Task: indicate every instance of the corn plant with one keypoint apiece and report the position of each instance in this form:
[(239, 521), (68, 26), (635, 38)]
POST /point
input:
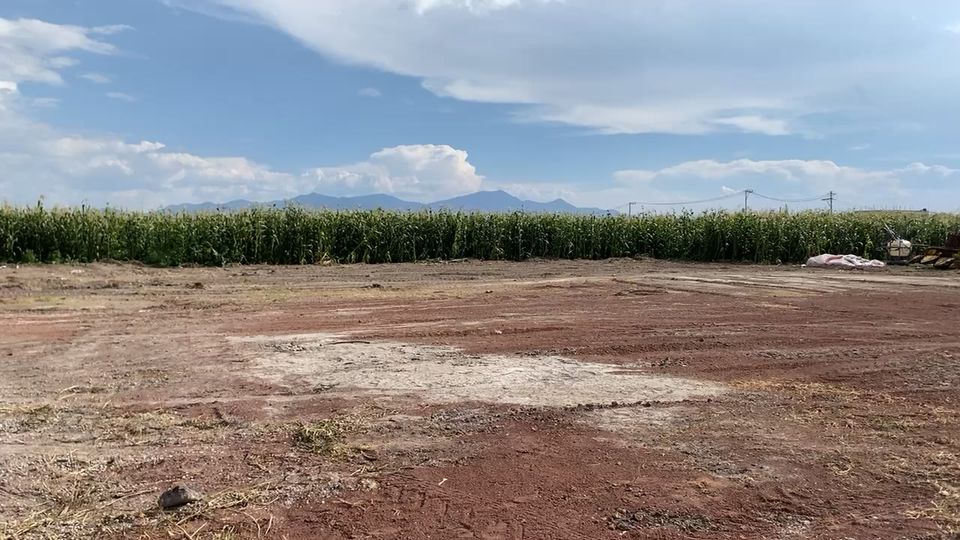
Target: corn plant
[(294, 235)]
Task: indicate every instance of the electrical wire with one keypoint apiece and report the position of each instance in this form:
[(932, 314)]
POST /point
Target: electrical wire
[(682, 203), (724, 197), (812, 199)]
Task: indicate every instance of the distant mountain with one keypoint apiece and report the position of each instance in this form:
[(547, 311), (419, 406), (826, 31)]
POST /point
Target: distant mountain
[(210, 207), (501, 201), (481, 201), (363, 202)]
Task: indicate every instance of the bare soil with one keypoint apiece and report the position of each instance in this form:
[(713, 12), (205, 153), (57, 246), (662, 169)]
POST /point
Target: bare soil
[(545, 399)]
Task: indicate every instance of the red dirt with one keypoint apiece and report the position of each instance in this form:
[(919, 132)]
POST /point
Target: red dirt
[(839, 418)]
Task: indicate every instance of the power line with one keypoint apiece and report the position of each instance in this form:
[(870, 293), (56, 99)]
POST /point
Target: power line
[(681, 203), (828, 197), (776, 199)]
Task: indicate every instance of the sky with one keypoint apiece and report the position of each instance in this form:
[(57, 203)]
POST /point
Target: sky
[(144, 103)]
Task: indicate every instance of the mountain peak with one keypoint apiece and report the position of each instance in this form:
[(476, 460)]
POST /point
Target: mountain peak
[(496, 200)]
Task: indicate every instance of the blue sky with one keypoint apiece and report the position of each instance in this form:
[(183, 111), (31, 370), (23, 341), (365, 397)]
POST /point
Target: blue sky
[(142, 103)]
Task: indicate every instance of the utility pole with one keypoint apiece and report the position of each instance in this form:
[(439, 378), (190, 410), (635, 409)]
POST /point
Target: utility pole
[(830, 197), (746, 199), (630, 208)]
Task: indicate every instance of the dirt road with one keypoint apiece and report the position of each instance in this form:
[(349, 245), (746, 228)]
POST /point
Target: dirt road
[(560, 400)]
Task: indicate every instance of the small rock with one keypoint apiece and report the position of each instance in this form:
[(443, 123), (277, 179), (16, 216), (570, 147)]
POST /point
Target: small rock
[(178, 496)]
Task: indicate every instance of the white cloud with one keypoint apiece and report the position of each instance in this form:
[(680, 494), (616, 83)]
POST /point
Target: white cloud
[(683, 66), (473, 6), (121, 96), (45, 102), (110, 29), (955, 28), (41, 160), (32, 50), (721, 184), (96, 78), (756, 124), (793, 170), (369, 92), (422, 172), (541, 192), (38, 159), (916, 184), (69, 169), (602, 93)]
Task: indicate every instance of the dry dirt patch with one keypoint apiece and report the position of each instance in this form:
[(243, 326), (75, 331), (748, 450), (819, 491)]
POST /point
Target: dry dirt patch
[(832, 411), (434, 374)]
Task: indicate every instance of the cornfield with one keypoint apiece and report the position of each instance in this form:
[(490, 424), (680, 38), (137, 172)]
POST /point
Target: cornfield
[(297, 236)]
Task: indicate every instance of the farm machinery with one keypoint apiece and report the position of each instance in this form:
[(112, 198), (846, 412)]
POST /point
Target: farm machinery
[(896, 250), (944, 257)]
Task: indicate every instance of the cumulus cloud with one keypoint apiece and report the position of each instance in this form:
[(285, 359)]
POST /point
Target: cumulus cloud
[(917, 184), (32, 50), (422, 172), (678, 66), (706, 184), (369, 92), (612, 92), (40, 160)]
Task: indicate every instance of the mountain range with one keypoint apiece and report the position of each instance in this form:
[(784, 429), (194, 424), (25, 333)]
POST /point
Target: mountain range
[(481, 201)]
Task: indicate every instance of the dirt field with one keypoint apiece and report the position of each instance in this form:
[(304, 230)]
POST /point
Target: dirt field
[(560, 400)]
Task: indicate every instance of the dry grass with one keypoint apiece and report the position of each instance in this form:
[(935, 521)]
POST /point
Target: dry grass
[(100, 424), (814, 391), (882, 438), (325, 437), (23, 418), (87, 512), (938, 471), (944, 509), (68, 496)]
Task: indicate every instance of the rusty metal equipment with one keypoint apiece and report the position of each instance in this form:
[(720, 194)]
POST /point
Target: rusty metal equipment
[(946, 257)]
